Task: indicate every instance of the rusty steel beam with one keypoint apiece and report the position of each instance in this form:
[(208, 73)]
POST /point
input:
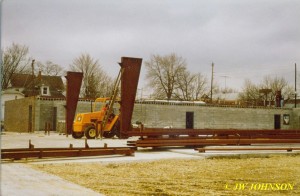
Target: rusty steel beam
[(265, 136), (63, 152), (205, 142), (288, 149), (174, 131), (57, 149), (129, 82), (74, 80), (292, 136)]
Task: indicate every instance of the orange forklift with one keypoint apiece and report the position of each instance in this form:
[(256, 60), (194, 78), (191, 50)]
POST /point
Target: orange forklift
[(104, 118)]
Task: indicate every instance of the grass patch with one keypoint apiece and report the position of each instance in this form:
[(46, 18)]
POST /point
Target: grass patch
[(183, 177)]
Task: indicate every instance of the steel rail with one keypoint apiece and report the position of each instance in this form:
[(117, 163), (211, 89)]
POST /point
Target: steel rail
[(288, 149), (67, 152), (287, 136), (31, 152), (207, 142), (174, 131)]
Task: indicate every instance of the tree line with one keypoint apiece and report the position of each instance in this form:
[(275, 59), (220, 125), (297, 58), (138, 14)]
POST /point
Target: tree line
[(16, 60), (167, 76)]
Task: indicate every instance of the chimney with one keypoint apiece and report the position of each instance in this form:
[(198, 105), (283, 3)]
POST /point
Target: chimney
[(40, 76)]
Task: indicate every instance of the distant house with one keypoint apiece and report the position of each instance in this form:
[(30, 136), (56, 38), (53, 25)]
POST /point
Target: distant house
[(27, 85), (41, 85)]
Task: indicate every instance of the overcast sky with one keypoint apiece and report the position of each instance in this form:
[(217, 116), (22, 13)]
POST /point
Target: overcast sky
[(244, 38)]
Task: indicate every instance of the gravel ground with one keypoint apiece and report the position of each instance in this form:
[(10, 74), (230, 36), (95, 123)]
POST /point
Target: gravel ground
[(275, 175)]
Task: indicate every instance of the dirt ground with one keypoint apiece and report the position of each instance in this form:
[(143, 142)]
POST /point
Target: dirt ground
[(276, 175)]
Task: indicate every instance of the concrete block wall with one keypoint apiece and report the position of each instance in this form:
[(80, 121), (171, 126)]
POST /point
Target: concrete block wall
[(45, 113), (161, 115), (82, 106), (61, 111), (152, 115), (295, 118)]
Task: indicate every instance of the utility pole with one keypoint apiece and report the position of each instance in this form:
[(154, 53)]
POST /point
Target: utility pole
[(32, 72), (212, 81), (295, 85)]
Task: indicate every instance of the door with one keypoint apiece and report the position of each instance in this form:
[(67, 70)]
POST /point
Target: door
[(189, 120), (277, 121), (54, 118), (30, 118)]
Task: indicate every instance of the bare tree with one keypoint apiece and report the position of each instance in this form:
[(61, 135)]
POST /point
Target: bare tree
[(251, 92), (183, 84), (162, 73), (199, 86), (49, 68), (96, 83), (190, 86), (276, 84), (15, 60)]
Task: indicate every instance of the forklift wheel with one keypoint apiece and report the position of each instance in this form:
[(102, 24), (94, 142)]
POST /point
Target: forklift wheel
[(90, 132), (77, 135)]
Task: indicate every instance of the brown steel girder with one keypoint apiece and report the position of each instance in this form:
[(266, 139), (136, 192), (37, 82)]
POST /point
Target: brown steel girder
[(74, 80), (31, 152), (129, 82)]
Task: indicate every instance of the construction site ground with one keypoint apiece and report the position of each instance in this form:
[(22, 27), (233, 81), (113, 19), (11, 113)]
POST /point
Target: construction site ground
[(18, 178)]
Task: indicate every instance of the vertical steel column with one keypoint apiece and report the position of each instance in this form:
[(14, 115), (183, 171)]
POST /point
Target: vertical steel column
[(129, 82), (74, 80)]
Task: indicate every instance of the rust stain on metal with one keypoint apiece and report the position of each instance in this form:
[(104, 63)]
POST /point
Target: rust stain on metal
[(129, 82), (74, 80)]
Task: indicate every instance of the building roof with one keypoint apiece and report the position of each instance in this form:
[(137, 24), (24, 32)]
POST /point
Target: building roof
[(20, 80), (32, 84), (11, 91)]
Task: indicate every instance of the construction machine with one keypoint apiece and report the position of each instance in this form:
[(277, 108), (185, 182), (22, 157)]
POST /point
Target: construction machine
[(104, 118), (111, 116)]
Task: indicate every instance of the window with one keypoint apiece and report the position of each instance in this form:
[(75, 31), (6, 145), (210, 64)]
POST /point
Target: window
[(45, 90)]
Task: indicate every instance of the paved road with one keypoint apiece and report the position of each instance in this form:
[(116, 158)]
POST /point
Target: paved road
[(20, 180)]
